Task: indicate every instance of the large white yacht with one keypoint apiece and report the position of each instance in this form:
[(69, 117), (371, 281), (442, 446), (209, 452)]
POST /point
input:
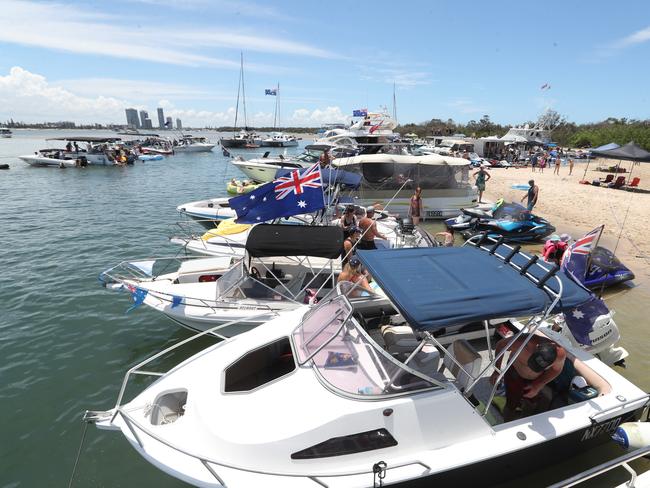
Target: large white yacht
[(370, 133), (280, 139), (327, 396), (193, 144)]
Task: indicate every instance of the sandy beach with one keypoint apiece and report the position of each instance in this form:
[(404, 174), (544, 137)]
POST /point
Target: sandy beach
[(575, 209)]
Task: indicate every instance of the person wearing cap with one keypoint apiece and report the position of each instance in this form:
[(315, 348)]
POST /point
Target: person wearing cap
[(348, 221), (539, 363), (349, 243), (353, 273), (369, 230)]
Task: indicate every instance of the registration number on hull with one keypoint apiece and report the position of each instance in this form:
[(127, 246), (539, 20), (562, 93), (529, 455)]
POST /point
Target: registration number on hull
[(599, 429)]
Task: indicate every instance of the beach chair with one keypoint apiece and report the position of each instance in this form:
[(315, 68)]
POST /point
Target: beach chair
[(608, 179), (634, 184), (620, 181)]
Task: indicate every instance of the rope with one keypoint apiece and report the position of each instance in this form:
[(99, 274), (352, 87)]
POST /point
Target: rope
[(76, 461)]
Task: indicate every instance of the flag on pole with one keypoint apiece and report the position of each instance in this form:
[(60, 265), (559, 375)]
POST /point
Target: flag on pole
[(271, 91), (576, 259), (362, 112), (294, 194)]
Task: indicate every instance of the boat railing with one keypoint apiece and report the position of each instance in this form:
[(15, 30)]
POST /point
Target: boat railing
[(190, 232), (621, 461)]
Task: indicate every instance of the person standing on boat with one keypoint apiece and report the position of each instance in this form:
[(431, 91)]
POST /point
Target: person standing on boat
[(415, 207), (369, 230), (532, 194), (482, 177), (349, 221), (68, 147), (325, 159), (539, 363)]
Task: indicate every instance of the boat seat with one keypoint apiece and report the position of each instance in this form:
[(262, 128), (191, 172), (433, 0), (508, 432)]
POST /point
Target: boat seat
[(468, 357), (400, 341)]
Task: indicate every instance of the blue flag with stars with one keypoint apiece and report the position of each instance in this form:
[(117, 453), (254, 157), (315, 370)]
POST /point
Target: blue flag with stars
[(581, 319), (294, 194)]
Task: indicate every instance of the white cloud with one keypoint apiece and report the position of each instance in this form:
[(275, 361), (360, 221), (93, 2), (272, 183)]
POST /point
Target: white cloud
[(69, 28), (637, 37), (248, 9), (29, 97)]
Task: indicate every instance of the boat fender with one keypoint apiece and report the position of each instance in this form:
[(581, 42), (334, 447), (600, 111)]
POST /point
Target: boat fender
[(632, 435)]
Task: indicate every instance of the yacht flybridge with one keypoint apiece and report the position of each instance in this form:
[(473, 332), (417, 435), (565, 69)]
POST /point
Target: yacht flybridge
[(326, 397), (444, 181)]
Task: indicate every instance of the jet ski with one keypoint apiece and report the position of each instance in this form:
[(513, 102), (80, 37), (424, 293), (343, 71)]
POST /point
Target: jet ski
[(593, 265), (510, 220)]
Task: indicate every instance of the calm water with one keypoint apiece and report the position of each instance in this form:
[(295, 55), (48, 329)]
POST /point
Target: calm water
[(66, 343)]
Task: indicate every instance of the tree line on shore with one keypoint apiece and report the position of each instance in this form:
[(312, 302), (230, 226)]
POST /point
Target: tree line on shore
[(620, 131)]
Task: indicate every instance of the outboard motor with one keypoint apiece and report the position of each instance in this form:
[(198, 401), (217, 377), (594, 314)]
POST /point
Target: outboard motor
[(406, 225)]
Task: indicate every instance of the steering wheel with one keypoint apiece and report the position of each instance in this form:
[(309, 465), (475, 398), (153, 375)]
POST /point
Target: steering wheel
[(255, 274)]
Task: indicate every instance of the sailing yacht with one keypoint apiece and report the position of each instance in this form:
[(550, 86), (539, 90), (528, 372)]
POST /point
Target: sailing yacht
[(244, 139), (278, 138)]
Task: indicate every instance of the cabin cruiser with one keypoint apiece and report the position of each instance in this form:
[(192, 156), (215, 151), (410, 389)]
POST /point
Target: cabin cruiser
[(448, 147), (284, 267), (444, 181), (264, 169), (157, 145), (193, 144), (317, 397), (371, 133), (241, 140), (279, 139), (100, 151), (5, 133)]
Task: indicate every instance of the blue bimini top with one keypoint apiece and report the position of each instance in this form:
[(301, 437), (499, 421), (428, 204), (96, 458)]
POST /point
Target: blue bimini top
[(444, 286)]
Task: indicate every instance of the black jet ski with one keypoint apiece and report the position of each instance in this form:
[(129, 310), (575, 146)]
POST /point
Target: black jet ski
[(510, 220)]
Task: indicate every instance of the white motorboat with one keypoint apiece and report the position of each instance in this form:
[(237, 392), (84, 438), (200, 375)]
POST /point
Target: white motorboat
[(96, 151), (209, 212), (280, 139), (444, 181), (50, 157), (193, 144), (229, 238), (284, 267), (264, 169), (371, 133), (317, 397), (5, 133)]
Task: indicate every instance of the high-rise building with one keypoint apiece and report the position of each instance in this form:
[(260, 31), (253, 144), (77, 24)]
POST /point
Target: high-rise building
[(148, 124), (179, 126), (169, 124), (132, 120), (144, 115), (161, 118)]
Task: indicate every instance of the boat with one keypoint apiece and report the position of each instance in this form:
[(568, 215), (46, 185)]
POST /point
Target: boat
[(156, 145), (394, 177), (592, 265), (229, 238), (5, 133), (264, 169), (371, 133), (511, 221), (280, 139), (95, 151), (193, 144), (284, 266), (313, 398), (50, 157), (244, 139)]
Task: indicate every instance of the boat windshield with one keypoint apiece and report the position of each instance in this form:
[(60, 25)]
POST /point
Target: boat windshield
[(347, 358)]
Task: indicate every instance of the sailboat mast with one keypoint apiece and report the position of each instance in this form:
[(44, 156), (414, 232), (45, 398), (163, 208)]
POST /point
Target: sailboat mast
[(243, 92), (278, 104), (394, 104), (241, 73)]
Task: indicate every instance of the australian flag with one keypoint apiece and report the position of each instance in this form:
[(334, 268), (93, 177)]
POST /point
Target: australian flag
[(294, 194), (362, 112), (581, 319), (271, 91)]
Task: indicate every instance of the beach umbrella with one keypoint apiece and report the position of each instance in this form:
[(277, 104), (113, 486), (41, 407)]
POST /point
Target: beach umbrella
[(629, 152)]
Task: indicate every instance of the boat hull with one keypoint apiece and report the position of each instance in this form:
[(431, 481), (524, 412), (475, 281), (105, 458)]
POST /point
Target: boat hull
[(43, 161), (194, 148), (279, 143), (234, 143)]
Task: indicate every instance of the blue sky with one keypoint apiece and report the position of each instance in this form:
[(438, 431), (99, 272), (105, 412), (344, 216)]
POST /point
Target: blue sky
[(87, 61)]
